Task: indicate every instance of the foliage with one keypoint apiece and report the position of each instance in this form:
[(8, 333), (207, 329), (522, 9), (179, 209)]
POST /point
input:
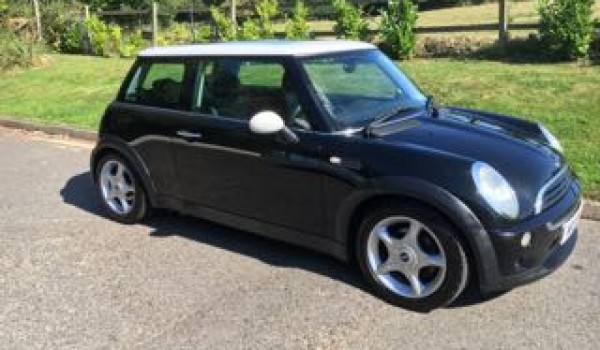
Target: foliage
[(224, 27), (398, 24), (14, 52), (566, 27), (132, 44), (73, 40), (349, 23), (456, 47), (178, 33), (56, 20), (297, 27), (167, 5), (3, 8), (249, 30), (105, 39), (265, 10)]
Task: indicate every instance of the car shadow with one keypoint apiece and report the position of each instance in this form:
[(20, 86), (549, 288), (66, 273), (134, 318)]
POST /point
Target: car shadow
[(79, 191)]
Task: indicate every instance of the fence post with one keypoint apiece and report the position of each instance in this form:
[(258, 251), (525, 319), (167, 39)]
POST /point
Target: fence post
[(38, 20), (233, 14), (86, 11), (154, 24), (503, 21)]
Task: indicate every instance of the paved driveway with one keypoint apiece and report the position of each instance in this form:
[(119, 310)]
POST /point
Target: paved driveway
[(69, 278)]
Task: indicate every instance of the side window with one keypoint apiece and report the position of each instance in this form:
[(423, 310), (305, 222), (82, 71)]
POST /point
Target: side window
[(240, 88), (157, 84)]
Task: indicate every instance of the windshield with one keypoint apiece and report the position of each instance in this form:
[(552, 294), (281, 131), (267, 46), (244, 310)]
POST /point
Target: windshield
[(356, 88)]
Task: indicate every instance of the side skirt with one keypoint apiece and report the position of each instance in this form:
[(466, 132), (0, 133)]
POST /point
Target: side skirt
[(299, 238)]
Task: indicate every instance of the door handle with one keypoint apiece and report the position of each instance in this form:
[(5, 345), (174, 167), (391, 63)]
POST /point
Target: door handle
[(190, 136)]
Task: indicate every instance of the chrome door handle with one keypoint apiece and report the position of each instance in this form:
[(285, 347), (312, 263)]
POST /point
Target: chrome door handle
[(189, 135)]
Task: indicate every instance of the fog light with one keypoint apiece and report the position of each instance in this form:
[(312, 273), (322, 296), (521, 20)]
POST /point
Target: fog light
[(526, 240)]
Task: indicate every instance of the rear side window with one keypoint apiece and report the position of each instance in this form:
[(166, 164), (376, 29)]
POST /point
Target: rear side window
[(157, 84)]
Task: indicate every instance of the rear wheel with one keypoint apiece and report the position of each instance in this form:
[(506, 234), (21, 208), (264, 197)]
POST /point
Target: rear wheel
[(120, 190), (412, 257)]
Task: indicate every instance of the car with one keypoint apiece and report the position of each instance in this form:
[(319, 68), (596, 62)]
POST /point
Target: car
[(330, 146)]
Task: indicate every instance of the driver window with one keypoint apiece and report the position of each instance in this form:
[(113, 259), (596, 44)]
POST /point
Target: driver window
[(239, 88)]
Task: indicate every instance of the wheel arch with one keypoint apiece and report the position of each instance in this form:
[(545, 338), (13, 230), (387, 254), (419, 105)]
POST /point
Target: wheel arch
[(386, 190), (120, 148)]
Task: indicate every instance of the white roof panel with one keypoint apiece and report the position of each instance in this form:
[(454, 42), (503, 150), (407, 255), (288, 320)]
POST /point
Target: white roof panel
[(257, 48)]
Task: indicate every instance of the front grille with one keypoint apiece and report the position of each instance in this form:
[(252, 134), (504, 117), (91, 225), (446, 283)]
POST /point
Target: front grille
[(553, 191)]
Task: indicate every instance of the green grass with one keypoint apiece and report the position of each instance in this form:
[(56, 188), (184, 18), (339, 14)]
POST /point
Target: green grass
[(74, 90)]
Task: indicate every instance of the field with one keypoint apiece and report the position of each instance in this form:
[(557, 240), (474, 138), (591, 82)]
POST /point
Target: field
[(74, 90)]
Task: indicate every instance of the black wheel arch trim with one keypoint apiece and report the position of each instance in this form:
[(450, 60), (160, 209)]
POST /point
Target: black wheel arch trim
[(448, 204), (117, 145)]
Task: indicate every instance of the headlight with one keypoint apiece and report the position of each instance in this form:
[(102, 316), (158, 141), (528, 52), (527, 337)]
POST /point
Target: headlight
[(552, 140), (496, 191)]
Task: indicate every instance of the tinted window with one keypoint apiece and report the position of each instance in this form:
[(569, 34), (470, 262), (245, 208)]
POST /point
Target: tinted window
[(157, 84), (240, 88)]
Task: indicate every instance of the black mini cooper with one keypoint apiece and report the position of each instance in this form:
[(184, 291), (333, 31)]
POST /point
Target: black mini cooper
[(328, 145)]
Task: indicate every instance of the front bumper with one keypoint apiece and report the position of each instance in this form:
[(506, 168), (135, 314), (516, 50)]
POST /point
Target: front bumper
[(553, 239)]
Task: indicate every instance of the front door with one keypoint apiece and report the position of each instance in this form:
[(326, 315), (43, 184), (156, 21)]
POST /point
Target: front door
[(223, 166)]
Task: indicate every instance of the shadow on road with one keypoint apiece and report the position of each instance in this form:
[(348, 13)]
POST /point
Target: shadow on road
[(79, 192)]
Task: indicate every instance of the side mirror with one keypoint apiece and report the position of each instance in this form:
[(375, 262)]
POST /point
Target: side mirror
[(270, 123)]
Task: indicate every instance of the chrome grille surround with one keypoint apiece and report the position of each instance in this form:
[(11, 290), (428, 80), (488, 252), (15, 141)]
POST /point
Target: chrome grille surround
[(553, 190)]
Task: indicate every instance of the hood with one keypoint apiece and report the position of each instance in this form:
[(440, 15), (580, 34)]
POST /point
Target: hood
[(514, 147)]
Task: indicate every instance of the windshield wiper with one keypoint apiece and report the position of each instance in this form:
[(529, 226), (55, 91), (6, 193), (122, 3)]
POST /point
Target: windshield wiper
[(384, 117)]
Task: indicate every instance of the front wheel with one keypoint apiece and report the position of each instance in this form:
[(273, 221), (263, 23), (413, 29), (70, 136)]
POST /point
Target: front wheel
[(412, 257), (120, 191)]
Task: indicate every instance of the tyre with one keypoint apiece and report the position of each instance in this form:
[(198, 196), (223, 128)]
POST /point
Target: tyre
[(120, 191), (412, 256)]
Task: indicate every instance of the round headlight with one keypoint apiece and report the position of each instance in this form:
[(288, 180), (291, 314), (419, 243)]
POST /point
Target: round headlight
[(551, 139), (495, 190)]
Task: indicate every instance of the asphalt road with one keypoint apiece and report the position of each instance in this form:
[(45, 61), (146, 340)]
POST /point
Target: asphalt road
[(70, 278)]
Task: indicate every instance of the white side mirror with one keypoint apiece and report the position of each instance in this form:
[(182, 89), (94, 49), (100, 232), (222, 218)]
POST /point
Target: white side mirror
[(266, 123), (270, 123)]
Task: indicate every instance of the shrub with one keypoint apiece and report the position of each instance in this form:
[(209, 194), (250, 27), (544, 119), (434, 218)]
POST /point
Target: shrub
[(249, 30), (14, 52), (201, 34), (297, 27), (566, 27), (455, 47), (178, 33), (3, 11), (132, 44), (224, 26), (74, 38), (349, 23), (595, 48), (398, 28), (55, 23), (105, 39), (265, 10)]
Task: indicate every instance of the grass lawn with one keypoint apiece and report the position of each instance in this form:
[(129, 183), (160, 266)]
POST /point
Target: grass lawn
[(74, 90)]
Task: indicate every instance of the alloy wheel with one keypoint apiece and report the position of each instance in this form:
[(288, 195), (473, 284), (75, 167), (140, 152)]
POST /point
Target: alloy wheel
[(406, 257)]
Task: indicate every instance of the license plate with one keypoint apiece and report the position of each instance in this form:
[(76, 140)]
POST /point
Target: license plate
[(569, 227)]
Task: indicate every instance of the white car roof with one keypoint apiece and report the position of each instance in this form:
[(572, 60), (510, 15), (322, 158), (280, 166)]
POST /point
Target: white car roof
[(257, 48)]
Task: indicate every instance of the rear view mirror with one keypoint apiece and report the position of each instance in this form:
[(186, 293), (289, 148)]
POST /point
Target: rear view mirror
[(270, 123)]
